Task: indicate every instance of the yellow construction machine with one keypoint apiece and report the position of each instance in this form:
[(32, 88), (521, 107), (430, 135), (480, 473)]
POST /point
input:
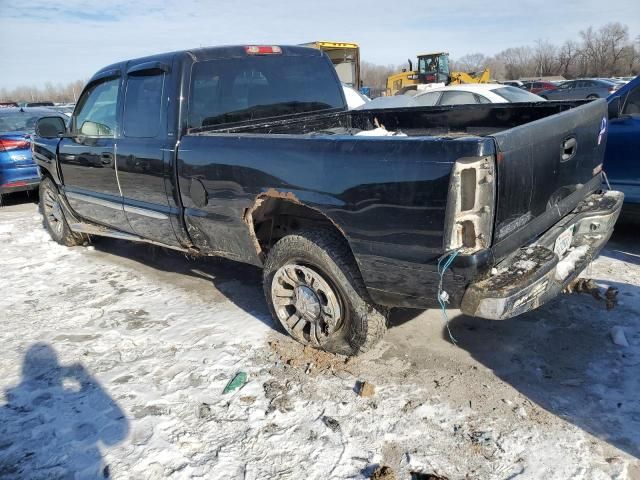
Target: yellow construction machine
[(345, 57), (432, 68)]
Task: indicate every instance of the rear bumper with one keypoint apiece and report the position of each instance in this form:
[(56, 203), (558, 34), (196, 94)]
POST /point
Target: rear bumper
[(20, 185), (535, 274)]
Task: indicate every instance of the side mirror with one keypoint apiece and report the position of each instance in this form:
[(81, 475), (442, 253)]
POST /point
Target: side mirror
[(614, 108), (50, 127)]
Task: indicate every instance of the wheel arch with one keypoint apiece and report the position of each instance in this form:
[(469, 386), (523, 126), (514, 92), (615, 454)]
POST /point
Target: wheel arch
[(275, 215)]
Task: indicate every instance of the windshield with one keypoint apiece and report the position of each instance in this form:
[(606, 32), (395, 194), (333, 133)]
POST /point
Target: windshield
[(514, 94), (241, 89), (18, 121)]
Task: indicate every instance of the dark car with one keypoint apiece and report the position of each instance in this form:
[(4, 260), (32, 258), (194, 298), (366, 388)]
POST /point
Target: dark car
[(581, 89), (537, 87), (622, 157), (18, 172)]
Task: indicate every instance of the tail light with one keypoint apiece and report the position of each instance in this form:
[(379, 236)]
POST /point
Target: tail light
[(262, 50), (470, 205), (14, 144)]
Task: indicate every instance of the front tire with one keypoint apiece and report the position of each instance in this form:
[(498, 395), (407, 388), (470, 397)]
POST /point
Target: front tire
[(53, 216), (315, 291)]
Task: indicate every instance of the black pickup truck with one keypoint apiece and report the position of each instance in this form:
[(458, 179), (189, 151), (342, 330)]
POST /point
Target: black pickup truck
[(249, 152)]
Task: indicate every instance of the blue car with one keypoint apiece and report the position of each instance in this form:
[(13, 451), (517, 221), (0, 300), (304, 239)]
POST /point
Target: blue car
[(622, 157), (18, 172)]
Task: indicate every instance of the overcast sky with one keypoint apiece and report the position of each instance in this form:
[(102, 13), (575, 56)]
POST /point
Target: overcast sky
[(44, 40)]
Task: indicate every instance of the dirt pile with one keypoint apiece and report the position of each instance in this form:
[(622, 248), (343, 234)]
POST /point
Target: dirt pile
[(312, 361)]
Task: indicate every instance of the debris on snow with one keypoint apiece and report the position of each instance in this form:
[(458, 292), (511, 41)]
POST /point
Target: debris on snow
[(236, 382), (618, 337), (365, 389), (611, 297), (584, 285), (204, 410), (383, 473), (331, 422)]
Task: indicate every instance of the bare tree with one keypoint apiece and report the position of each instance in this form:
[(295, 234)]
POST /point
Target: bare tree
[(567, 56), (603, 49), (473, 62), (545, 58)]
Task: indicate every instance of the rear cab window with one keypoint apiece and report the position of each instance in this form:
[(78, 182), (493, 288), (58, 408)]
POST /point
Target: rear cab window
[(257, 87)]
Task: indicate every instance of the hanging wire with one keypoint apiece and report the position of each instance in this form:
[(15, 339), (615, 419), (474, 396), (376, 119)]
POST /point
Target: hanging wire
[(443, 296)]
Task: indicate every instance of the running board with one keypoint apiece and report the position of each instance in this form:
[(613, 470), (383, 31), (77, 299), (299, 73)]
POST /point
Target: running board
[(101, 231)]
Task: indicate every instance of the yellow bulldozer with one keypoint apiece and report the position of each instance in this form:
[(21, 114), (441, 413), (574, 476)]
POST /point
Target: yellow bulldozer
[(432, 68)]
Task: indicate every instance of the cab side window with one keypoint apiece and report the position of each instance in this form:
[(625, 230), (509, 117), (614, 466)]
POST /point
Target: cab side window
[(143, 106), (97, 110), (632, 105)]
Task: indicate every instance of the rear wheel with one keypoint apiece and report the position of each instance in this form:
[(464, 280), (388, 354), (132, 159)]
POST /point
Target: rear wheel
[(53, 216), (592, 97), (316, 293)]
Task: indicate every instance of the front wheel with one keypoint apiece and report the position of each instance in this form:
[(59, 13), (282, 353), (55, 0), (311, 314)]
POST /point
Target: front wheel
[(53, 216), (315, 291)]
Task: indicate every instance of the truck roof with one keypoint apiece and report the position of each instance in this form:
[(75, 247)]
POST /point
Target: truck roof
[(208, 53)]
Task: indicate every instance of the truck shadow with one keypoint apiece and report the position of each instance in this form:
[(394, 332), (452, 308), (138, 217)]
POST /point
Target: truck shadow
[(18, 198), (561, 357), (55, 421), (240, 283)]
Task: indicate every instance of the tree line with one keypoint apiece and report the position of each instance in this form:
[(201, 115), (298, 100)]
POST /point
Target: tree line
[(604, 52), (608, 51), (60, 93)]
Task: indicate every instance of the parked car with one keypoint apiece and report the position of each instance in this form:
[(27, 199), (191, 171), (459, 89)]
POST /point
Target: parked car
[(18, 171), (353, 97), (264, 164), (513, 83), (475, 93), (538, 86), (37, 104), (8, 104), (622, 158), (587, 88)]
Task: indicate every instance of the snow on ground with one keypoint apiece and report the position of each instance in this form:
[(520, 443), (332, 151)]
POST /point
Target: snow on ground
[(115, 356)]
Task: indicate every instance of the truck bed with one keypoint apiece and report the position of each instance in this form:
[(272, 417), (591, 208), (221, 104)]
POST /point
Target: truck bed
[(447, 121)]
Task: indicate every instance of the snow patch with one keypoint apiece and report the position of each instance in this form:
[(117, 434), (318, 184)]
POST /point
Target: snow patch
[(568, 264)]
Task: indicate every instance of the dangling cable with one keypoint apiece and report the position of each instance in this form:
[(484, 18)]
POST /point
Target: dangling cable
[(443, 296)]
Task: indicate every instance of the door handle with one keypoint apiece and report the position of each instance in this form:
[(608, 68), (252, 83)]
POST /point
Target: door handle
[(569, 148), (106, 158)]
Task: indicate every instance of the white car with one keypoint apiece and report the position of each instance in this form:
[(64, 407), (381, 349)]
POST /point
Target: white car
[(354, 98), (470, 93)]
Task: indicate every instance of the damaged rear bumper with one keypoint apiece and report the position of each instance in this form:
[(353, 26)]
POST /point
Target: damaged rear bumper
[(540, 271)]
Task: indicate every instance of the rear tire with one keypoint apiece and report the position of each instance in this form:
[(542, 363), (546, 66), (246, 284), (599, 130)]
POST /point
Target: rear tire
[(592, 97), (315, 291), (53, 216)]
